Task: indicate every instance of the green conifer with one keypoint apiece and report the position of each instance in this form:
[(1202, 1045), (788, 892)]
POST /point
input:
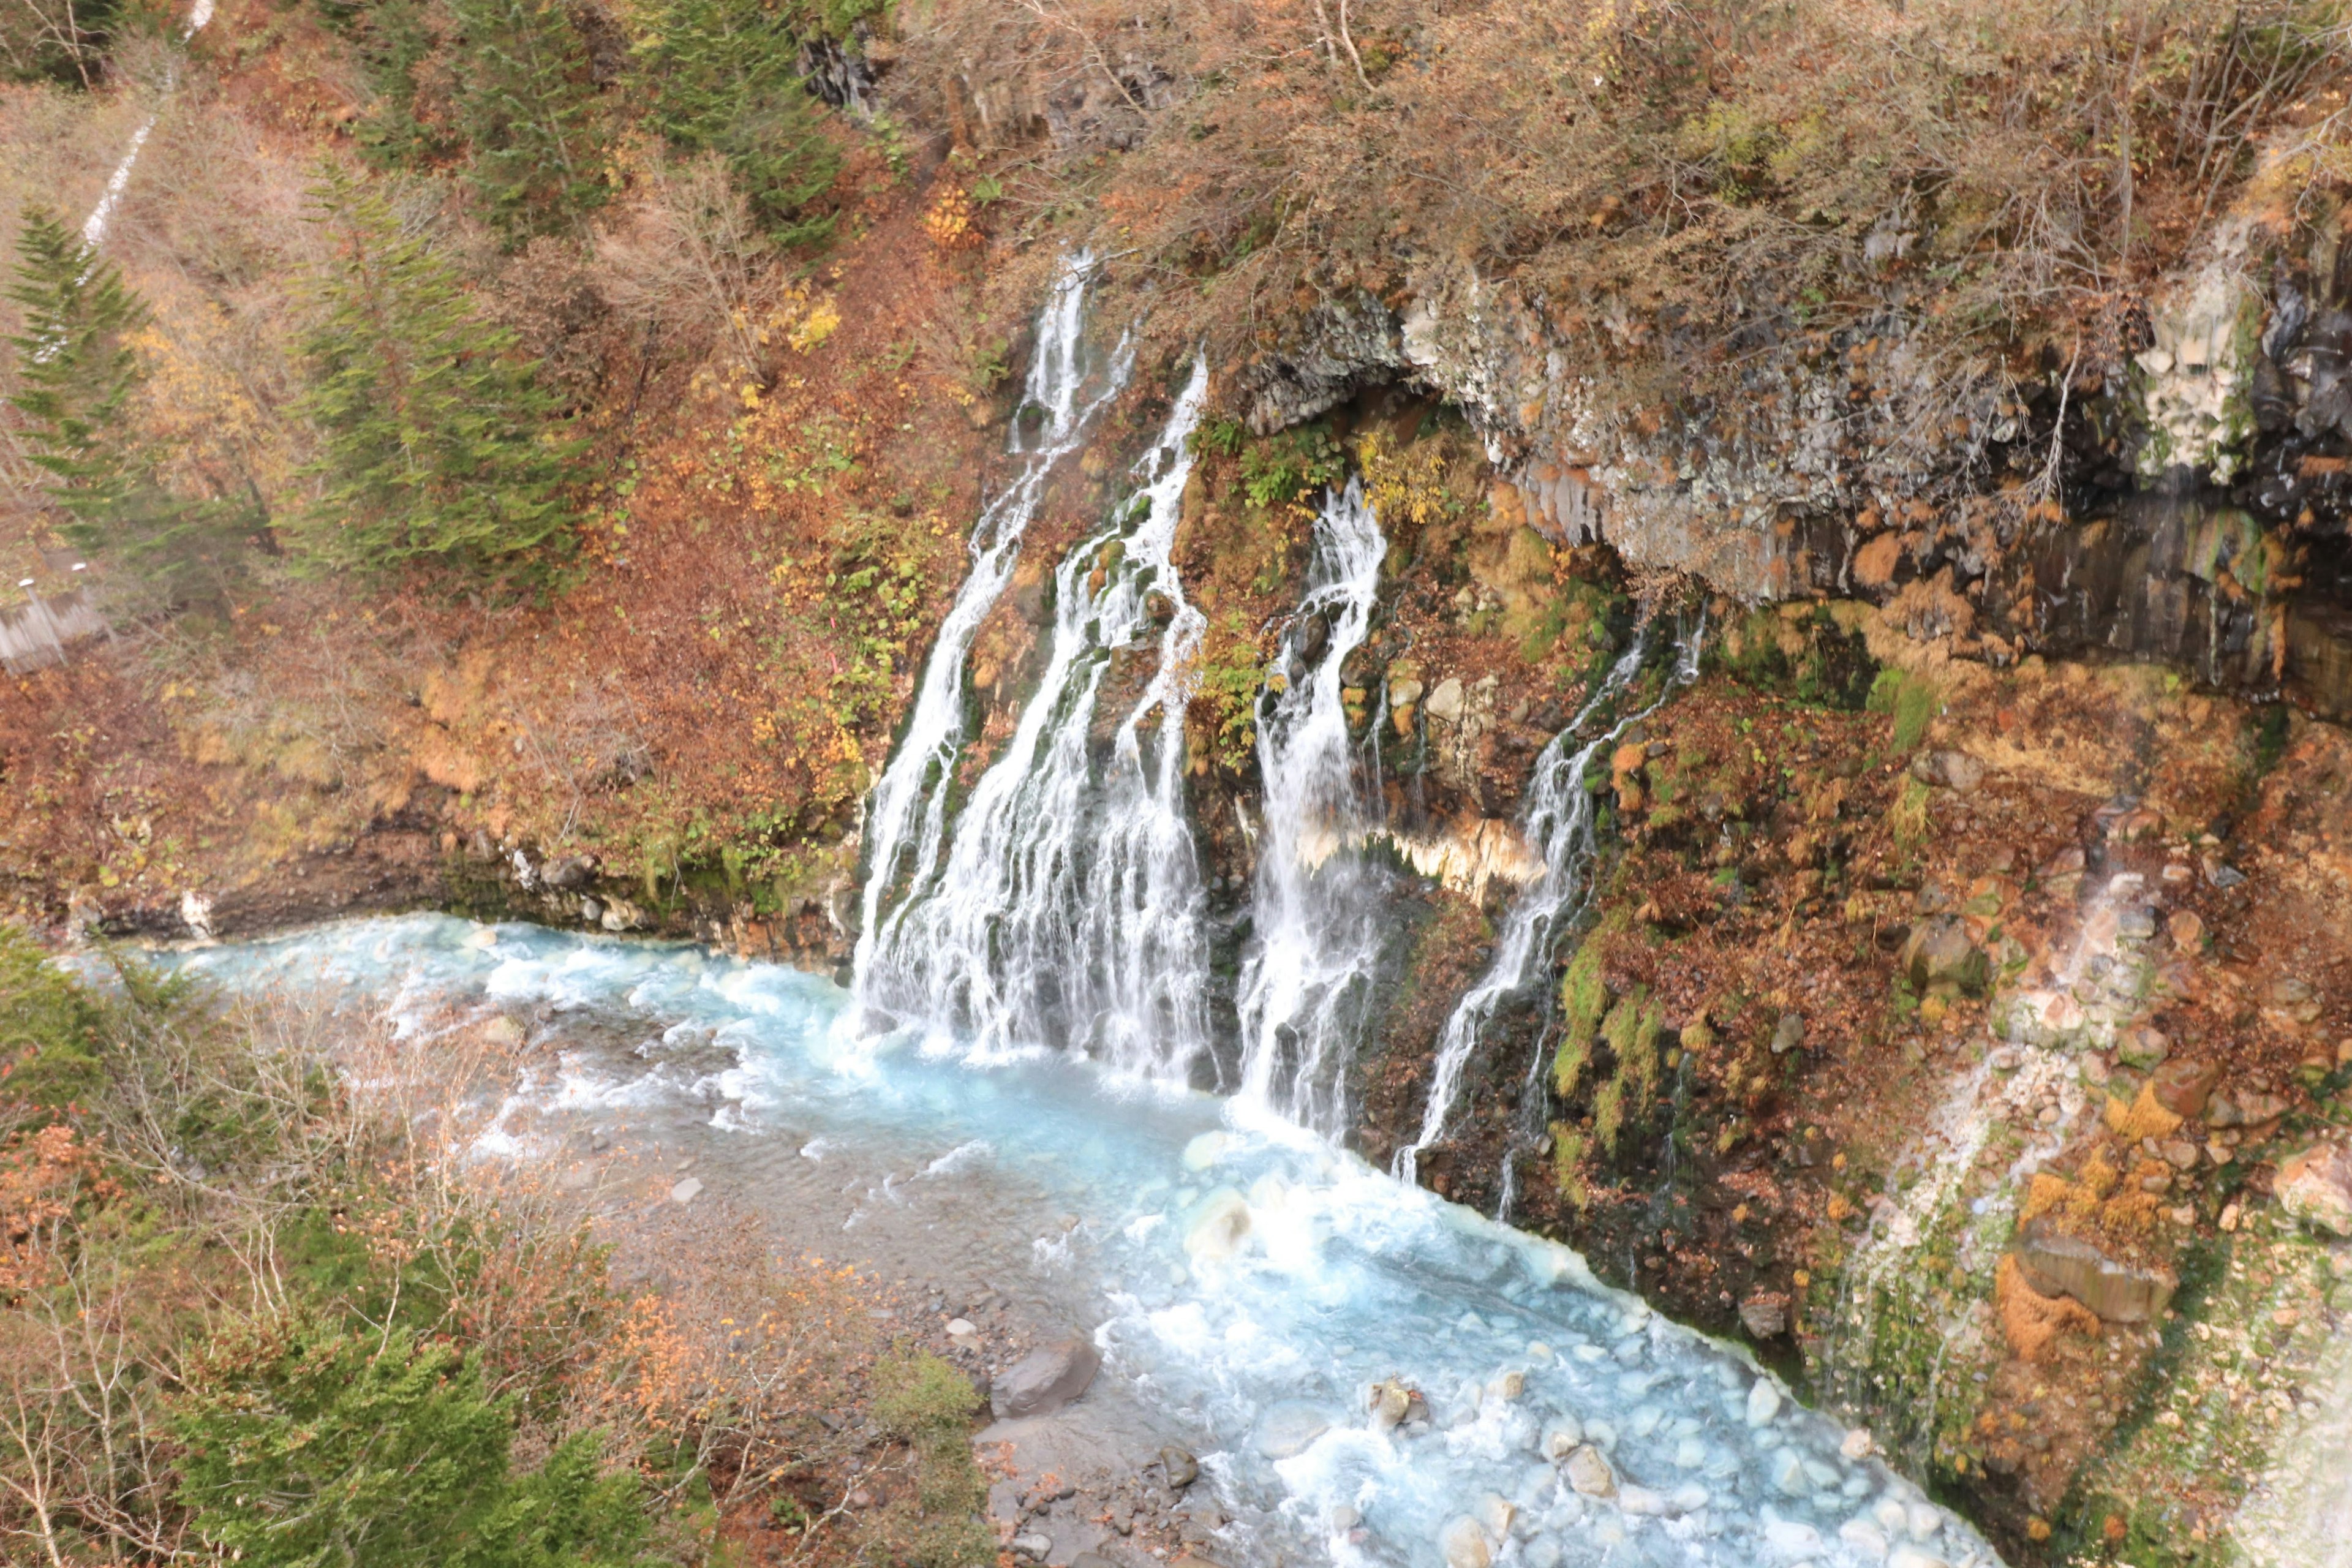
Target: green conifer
[(75, 367), (724, 75), (77, 377), (439, 445), (528, 105)]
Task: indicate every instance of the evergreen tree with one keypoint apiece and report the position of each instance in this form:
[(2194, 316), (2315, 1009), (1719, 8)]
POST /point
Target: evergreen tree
[(723, 76), (529, 107), (440, 447), (77, 376), (394, 44), (74, 362)]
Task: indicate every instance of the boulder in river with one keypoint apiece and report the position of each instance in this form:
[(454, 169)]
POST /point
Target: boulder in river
[(1464, 1544), (1219, 1227), (1045, 1379), (1588, 1472)]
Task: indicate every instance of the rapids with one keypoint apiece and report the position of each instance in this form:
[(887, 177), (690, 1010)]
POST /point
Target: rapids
[(1247, 1283)]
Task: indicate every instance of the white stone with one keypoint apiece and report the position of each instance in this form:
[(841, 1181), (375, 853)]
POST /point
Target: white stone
[(1791, 1536), (1690, 1453), (1689, 1498), (1763, 1403), (1543, 1551), (685, 1191), (1911, 1557), (1645, 1421), (1864, 1537), (1786, 1470), (1923, 1520), (1641, 1500), (961, 1327), (1495, 1511), (1891, 1514)]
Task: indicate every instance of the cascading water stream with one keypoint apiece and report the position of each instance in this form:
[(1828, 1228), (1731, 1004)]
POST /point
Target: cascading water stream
[(1068, 911), (1306, 984), (906, 815), (1560, 822)]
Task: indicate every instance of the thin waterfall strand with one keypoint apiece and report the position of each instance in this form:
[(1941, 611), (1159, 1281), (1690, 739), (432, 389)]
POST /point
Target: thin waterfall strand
[(1069, 909), (1560, 821), (906, 815), (1318, 918)]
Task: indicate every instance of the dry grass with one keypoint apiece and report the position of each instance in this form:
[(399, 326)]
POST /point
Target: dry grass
[(1659, 172)]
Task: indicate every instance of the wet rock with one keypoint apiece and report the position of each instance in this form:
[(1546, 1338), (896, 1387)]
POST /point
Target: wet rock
[(1912, 1557), (2183, 1086), (1177, 1464), (1445, 703), (2243, 1108), (1495, 1513), (2056, 1264), (1940, 956), (1463, 1543), (2316, 1186), (569, 873), (1045, 1379), (1588, 1473), (1764, 1315), (1391, 1403), (1343, 344), (2142, 1047), (1034, 1546), (1219, 1227), (1763, 1403), (1561, 1438), (1288, 1429)]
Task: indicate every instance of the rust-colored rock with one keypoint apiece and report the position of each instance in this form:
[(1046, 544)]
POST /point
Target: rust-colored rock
[(2055, 1263), (2183, 1086)]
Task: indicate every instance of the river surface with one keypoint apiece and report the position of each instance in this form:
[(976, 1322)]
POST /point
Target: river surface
[(1248, 1285)]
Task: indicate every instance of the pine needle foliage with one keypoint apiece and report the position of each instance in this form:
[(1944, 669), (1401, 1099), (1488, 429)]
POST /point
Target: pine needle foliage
[(310, 1442), (74, 361), (438, 448), (527, 104), (723, 76), (78, 380)]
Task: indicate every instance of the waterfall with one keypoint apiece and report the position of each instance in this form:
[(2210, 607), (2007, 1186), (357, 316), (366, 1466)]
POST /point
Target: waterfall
[(907, 813), (1306, 984), (1068, 911), (1558, 821)]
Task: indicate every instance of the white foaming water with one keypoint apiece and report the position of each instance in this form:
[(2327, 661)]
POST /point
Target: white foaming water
[(1068, 911), (906, 825), (1250, 1283), (1559, 819), (1317, 915)]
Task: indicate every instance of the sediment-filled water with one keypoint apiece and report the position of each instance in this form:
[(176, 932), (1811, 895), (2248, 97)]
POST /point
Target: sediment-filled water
[(1248, 1284)]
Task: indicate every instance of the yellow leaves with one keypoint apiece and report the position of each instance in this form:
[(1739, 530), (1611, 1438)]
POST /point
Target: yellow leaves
[(949, 223), (814, 327)]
